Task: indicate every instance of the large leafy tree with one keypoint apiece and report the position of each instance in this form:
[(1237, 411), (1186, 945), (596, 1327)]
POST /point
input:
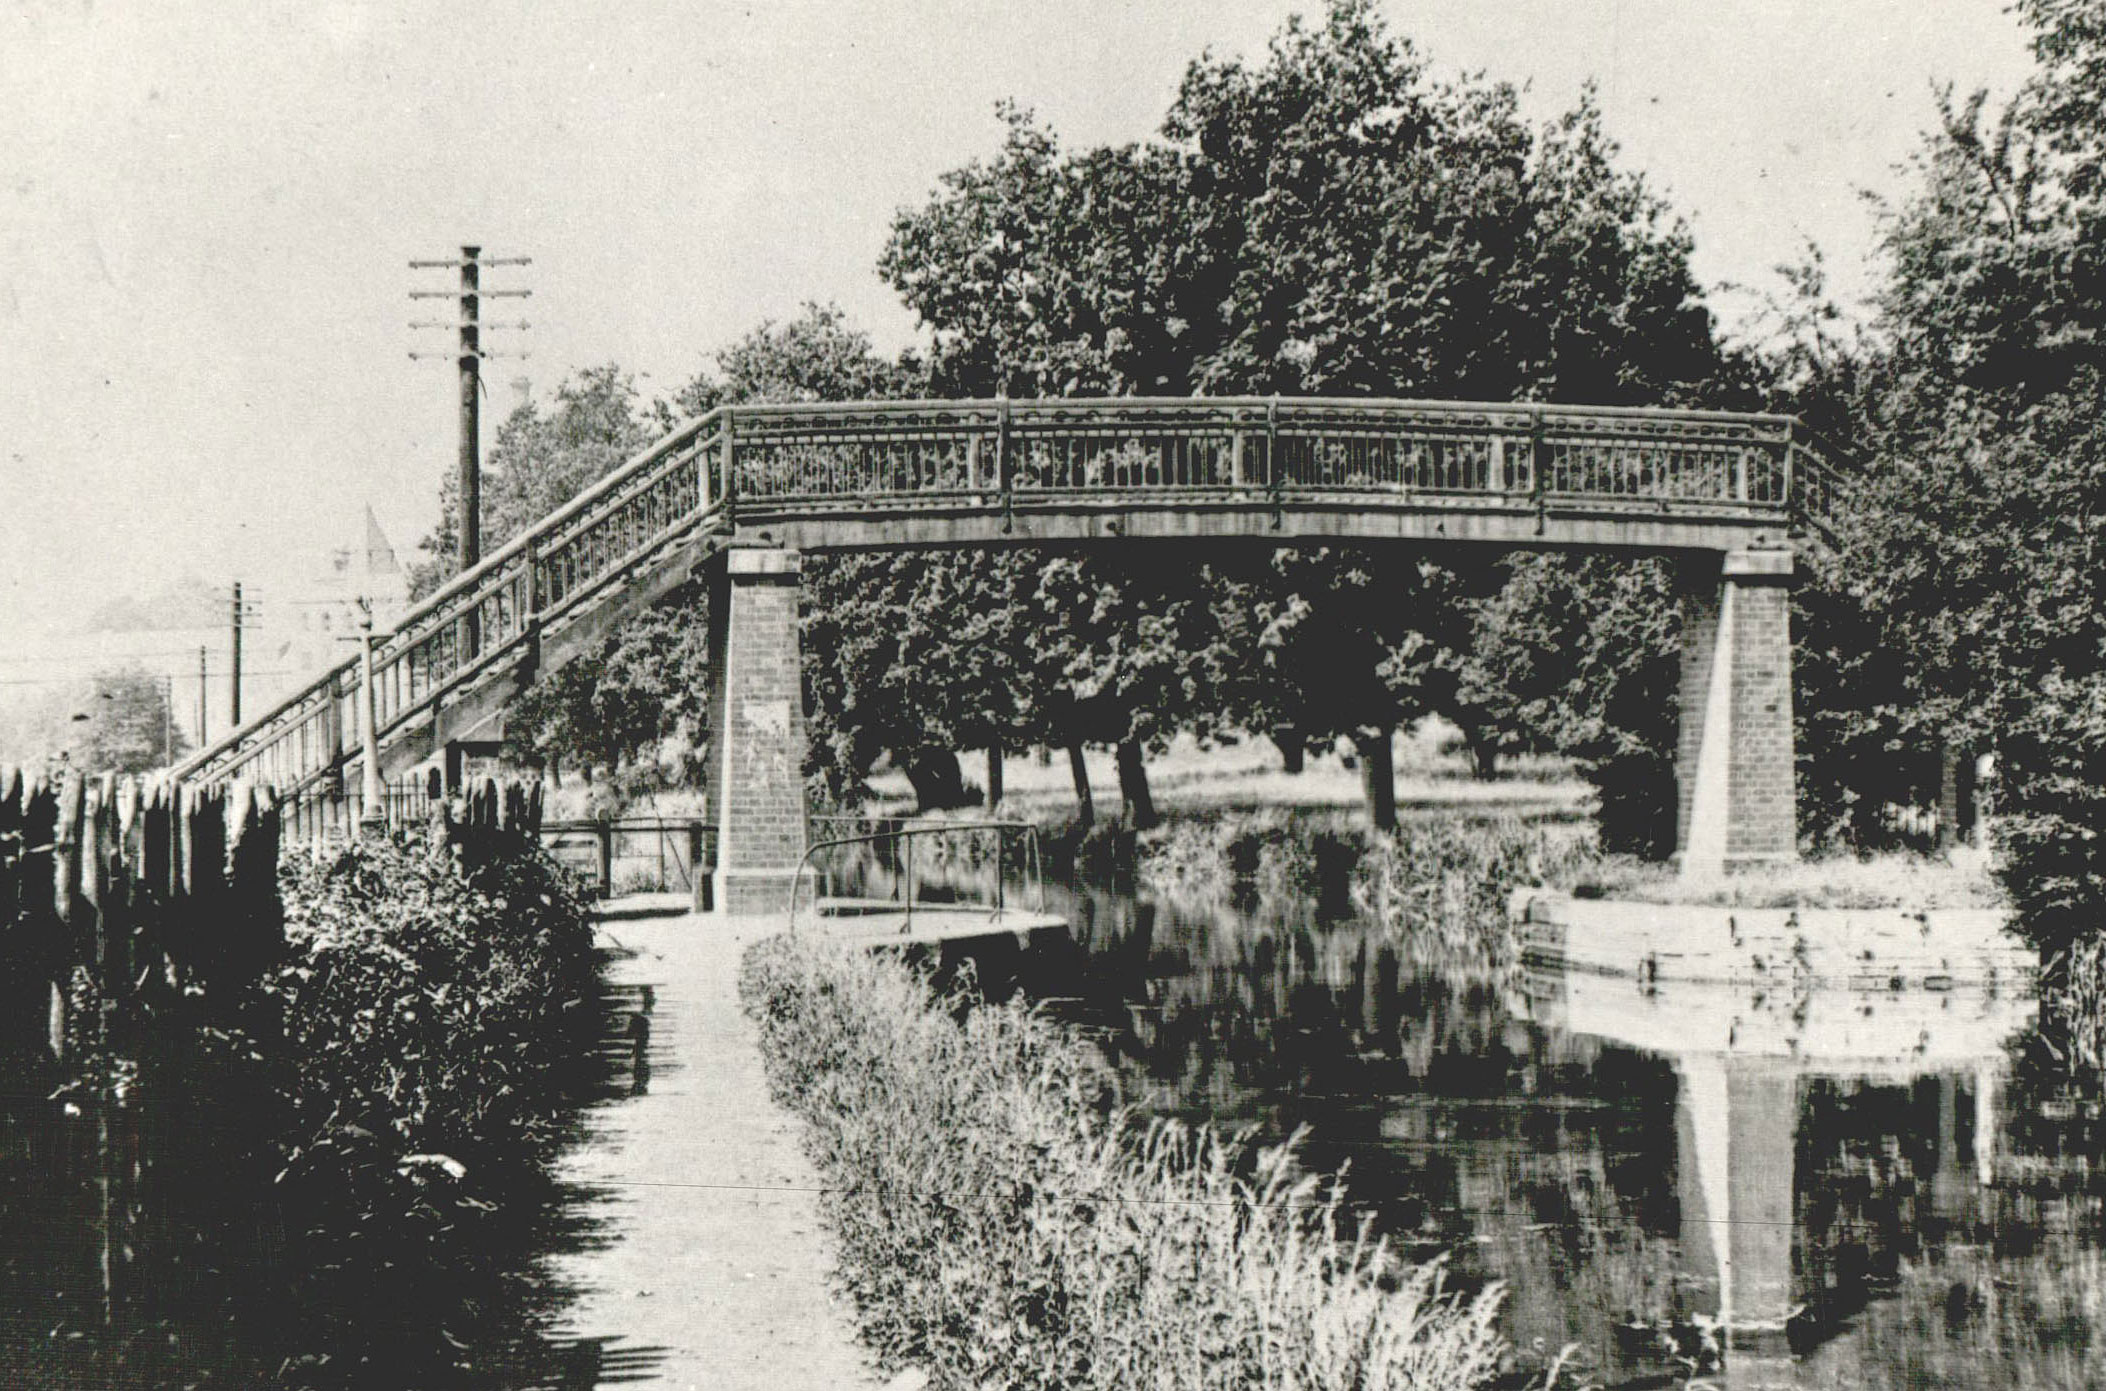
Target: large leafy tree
[(1331, 219), (1975, 534)]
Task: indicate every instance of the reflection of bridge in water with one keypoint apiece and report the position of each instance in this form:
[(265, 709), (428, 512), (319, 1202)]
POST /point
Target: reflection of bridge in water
[(1744, 1062), (734, 497)]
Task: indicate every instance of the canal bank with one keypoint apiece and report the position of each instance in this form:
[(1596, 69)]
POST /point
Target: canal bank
[(710, 1268)]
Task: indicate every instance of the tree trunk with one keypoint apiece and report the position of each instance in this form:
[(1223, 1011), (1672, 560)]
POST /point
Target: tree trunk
[(1294, 749), (1085, 804), (1955, 796), (1133, 787), (938, 783), (1378, 775), (994, 776), (1484, 752)]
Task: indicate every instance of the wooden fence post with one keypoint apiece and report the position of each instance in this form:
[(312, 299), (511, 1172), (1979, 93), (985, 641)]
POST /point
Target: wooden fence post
[(65, 905)]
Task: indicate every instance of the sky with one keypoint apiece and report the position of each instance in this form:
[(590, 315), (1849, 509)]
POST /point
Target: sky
[(208, 210)]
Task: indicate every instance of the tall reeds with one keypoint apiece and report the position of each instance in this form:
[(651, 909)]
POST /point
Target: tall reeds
[(997, 1224)]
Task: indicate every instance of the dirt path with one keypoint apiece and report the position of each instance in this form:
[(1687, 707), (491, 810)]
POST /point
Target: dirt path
[(713, 1271)]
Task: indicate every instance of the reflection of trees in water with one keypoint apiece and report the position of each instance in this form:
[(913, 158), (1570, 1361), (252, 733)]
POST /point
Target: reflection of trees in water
[(1551, 1158), (1995, 1283), (1530, 1155)]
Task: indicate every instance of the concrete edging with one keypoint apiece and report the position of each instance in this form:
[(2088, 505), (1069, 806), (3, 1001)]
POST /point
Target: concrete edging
[(1868, 949)]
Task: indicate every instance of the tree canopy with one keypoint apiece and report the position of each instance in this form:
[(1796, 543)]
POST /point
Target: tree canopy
[(1330, 219), (1974, 538)]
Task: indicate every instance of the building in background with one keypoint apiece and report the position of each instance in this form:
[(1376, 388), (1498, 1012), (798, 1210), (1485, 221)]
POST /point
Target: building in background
[(313, 629)]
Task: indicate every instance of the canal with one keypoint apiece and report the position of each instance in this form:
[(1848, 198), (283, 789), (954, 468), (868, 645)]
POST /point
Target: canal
[(1677, 1185)]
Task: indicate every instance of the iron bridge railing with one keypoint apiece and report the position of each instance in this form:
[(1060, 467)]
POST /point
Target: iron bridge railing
[(771, 462)]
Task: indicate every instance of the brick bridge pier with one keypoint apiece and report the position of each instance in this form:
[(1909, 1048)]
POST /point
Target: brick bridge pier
[(1735, 802)]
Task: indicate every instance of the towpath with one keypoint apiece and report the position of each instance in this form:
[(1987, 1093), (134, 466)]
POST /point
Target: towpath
[(706, 1264)]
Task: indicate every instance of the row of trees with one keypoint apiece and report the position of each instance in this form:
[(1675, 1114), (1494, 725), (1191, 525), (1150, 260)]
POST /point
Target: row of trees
[(1334, 219), (1973, 548), (116, 721)]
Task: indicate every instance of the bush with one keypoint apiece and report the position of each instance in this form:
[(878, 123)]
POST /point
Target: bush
[(432, 1021), (428, 1005), (2053, 770), (995, 1228)]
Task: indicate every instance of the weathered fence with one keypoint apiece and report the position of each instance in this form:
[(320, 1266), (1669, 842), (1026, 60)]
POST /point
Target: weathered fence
[(134, 914), (112, 887), (115, 886), (121, 901)]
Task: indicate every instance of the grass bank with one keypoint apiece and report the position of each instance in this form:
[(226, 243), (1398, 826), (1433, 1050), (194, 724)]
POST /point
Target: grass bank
[(996, 1227)]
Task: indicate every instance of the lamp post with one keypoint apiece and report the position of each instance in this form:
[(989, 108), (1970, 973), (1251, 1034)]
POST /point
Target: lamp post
[(373, 816)]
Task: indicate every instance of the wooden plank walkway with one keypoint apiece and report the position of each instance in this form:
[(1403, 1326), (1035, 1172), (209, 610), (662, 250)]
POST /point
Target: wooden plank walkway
[(713, 1269)]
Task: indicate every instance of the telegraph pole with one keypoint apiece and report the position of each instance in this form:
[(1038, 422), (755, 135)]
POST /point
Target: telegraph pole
[(234, 671), (471, 464), (469, 357), (201, 679)]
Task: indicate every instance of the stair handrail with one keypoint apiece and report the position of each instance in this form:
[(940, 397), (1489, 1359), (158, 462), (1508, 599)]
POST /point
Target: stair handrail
[(682, 434)]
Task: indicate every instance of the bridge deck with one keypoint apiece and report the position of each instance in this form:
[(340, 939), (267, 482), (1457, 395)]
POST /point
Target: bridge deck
[(940, 473), (1066, 518)]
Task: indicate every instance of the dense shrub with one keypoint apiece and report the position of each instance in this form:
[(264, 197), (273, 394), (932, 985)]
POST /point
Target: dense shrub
[(995, 1228), (420, 1043), (424, 1005)]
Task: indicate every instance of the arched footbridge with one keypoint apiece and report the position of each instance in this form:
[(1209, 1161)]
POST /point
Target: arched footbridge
[(737, 495)]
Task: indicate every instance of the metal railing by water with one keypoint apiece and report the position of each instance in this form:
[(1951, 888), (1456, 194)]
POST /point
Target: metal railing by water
[(905, 836), (677, 851)]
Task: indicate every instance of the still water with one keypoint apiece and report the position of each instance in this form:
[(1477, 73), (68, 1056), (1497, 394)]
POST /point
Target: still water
[(1682, 1184)]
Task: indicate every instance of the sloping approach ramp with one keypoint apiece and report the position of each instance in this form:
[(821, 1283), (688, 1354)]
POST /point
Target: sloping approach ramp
[(988, 473)]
